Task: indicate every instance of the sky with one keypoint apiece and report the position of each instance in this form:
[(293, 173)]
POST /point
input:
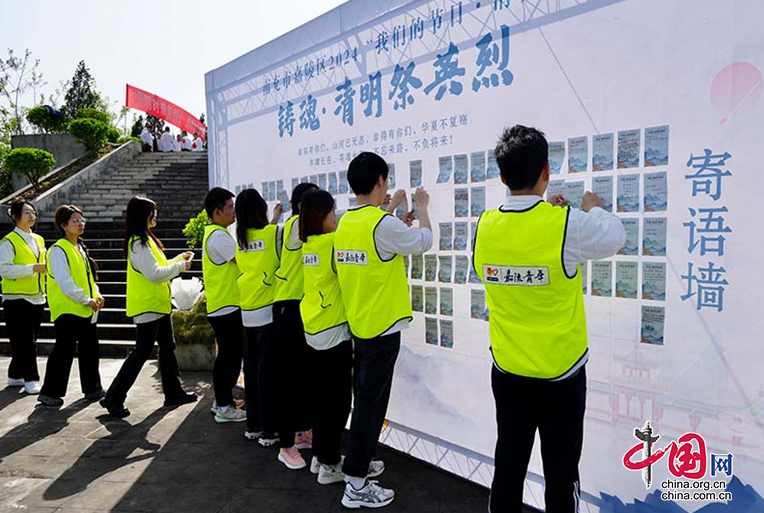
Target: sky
[(161, 47)]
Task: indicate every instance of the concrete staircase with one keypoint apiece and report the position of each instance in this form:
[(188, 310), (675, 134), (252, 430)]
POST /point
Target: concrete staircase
[(178, 183), (170, 179)]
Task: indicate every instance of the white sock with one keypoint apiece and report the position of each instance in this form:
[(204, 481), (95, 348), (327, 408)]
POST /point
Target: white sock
[(356, 482), (223, 408)]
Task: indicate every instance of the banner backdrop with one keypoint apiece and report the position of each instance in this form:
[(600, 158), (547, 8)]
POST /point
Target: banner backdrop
[(653, 104), (163, 109)]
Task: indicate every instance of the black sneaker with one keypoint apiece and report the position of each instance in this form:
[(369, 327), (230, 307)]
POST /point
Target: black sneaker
[(119, 412), (268, 439), (95, 396), (47, 400), (186, 398)]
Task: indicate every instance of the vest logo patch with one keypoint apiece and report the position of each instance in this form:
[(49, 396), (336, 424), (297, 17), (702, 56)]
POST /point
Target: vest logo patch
[(310, 259), (515, 275), (347, 256), (255, 245)]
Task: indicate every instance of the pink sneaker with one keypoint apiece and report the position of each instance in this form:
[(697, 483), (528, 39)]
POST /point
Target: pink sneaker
[(292, 458), (304, 440)]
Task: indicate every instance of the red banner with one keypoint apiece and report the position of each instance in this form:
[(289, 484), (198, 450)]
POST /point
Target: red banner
[(152, 104)]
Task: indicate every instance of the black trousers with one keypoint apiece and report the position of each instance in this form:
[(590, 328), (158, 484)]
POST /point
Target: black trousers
[(147, 333), (556, 409), (295, 368), (260, 386), (373, 366), (23, 321), (229, 335), (334, 391), (146, 148), (73, 334)]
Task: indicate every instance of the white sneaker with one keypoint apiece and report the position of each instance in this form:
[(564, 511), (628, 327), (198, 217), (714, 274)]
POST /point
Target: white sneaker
[(214, 409), (376, 467), (252, 435), (329, 474), (32, 387), (370, 496), (15, 382), (230, 415), (315, 466)]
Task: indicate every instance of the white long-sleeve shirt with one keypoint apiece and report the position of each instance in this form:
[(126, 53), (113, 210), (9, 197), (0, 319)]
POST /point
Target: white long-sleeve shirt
[(142, 259), (59, 265), (146, 137), (394, 237), (166, 141), (199, 144), (186, 143), (13, 271), (589, 236), (176, 145)]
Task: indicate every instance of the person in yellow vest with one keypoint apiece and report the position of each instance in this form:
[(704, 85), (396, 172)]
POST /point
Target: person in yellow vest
[(368, 249), (294, 354), (220, 272), (258, 252), (149, 303), (528, 254), (22, 266), (326, 331), (74, 301)]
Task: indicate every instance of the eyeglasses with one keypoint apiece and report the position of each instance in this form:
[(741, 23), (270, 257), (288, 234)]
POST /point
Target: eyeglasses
[(81, 220)]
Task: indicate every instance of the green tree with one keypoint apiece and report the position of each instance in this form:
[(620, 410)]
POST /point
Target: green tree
[(157, 125), (82, 93), (201, 118), (30, 162), (17, 76), (137, 128)]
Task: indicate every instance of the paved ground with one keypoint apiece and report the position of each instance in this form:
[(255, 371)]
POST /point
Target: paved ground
[(76, 459)]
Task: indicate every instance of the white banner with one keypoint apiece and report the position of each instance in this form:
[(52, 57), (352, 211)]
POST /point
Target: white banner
[(653, 104)]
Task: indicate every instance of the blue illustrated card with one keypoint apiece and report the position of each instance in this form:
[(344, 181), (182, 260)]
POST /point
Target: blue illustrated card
[(628, 148), (628, 193), (578, 155), (556, 156), (657, 146), (602, 152), (654, 237), (654, 281), (602, 186), (656, 192), (653, 324)]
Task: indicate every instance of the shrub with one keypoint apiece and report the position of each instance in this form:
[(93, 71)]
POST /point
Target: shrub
[(90, 132), (194, 229), (191, 327), (123, 140), (6, 180), (113, 135), (96, 114), (30, 162), (44, 120)]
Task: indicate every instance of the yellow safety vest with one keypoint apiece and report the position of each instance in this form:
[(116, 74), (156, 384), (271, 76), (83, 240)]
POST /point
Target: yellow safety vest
[(144, 295), (31, 285), (289, 274), (375, 291), (537, 323), (220, 288), (321, 307), (257, 263), (82, 275)]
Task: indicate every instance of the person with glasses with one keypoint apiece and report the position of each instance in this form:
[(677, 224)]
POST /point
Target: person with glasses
[(74, 301), (22, 266), (149, 303)]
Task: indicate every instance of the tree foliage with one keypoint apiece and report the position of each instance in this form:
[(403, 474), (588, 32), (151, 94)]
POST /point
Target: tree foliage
[(30, 162), (82, 93), (17, 76), (90, 132)]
